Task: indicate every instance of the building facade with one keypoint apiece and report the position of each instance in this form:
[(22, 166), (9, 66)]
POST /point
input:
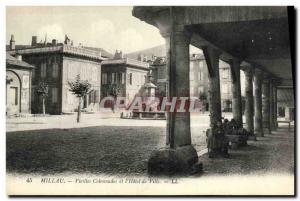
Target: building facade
[(18, 85), (57, 64), (128, 75), (225, 87), (198, 80)]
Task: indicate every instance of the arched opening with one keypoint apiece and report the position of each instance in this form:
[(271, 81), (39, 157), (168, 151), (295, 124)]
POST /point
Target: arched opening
[(13, 87)]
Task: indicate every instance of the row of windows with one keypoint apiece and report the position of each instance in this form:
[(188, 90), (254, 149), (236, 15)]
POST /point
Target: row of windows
[(200, 76), (114, 78), (199, 89), (196, 64), (44, 70), (52, 94), (92, 97), (119, 78)]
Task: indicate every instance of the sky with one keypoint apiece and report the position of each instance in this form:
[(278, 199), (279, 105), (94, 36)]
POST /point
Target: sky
[(111, 28)]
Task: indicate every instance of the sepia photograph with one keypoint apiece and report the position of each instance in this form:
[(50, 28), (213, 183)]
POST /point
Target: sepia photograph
[(150, 100)]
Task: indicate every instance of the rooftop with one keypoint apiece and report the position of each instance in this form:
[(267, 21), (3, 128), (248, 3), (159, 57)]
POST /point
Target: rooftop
[(126, 61), (63, 48), (16, 62)]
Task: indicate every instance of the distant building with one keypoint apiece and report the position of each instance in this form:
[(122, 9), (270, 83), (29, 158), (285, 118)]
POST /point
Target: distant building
[(18, 85), (158, 75), (128, 74), (56, 64), (198, 79), (225, 87)]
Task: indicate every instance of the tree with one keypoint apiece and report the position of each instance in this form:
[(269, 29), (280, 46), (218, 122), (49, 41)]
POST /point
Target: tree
[(79, 88), (42, 91)]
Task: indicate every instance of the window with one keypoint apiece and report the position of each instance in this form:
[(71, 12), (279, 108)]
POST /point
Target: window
[(104, 78), (70, 98), (14, 95), (113, 78), (130, 78), (225, 73), (191, 91), (224, 88), (54, 70), (191, 65), (123, 78), (191, 76), (94, 74), (43, 70), (83, 73), (201, 89), (200, 75), (54, 94), (201, 64), (92, 97)]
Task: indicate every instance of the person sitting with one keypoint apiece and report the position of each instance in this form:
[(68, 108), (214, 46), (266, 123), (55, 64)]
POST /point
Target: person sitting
[(226, 126), (217, 142), (231, 127)]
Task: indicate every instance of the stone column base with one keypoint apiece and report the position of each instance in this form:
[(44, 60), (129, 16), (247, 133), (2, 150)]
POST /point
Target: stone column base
[(180, 161)]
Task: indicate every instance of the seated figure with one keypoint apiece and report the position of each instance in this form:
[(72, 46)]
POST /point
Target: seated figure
[(227, 128), (233, 127), (237, 135), (217, 142)]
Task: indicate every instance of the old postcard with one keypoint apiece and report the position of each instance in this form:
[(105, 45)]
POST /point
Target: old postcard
[(150, 100)]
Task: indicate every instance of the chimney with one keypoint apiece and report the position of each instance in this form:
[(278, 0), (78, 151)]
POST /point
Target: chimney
[(19, 57), (34, 41), (12, 44), (54, 42)]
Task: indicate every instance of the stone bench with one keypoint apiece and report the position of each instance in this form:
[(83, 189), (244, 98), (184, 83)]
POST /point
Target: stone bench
[(145, 115), (236, 141), (286, 122)]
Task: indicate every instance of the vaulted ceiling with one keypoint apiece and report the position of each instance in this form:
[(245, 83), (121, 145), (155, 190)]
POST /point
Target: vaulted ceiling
[(264, 43)]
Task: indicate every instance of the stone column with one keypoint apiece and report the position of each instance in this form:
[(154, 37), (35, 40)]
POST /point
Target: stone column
[(214, 96), (275, 105), (266, 104), (236, 92), (180, 157), (178, 86), (249, 112), (258, 130), (272, 100)]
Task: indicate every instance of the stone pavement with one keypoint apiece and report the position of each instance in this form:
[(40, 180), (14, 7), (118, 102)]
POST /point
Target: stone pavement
[(272, 154), (96, 119)]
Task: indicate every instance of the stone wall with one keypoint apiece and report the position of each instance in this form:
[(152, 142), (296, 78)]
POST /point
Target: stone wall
[(88, 70), (21, 79), (51, 79)]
